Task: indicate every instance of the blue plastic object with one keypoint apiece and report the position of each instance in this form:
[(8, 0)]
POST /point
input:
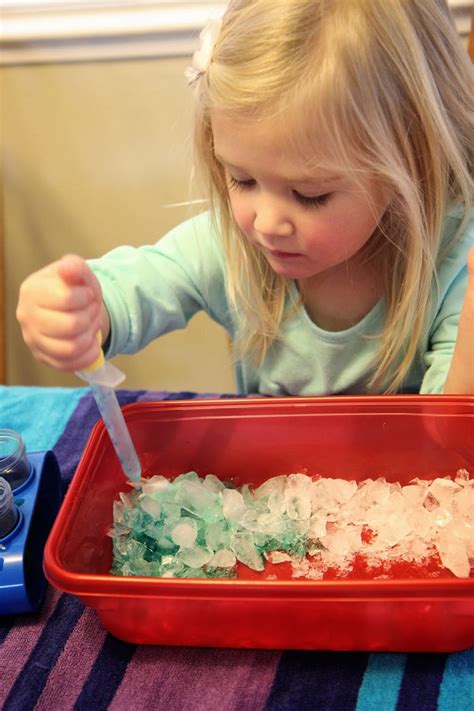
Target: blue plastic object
[(37, 500)]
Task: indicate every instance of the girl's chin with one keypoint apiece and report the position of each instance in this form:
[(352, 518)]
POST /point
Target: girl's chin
[(290, 271)]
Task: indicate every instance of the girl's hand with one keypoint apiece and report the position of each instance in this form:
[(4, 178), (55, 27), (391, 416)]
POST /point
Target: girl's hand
[(60, 310)]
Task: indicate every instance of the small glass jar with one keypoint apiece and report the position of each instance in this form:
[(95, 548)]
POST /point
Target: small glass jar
[(14, 465), (8, 511)]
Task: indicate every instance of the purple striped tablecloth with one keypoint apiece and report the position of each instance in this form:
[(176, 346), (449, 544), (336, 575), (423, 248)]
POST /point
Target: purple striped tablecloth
[(62, 658)]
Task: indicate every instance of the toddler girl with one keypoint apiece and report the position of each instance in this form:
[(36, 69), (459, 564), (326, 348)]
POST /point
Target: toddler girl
[(334, 139)]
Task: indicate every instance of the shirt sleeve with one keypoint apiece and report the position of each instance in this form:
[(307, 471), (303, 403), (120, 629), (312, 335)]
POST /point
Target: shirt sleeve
[(151, 290), (451, 287)]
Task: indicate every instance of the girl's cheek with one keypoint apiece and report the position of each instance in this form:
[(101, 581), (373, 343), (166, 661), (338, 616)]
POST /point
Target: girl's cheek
[(242, 216)]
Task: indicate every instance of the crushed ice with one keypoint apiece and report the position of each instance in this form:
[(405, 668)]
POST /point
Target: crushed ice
[(201, 527)]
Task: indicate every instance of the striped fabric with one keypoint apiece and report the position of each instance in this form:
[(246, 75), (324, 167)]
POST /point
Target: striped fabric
[(62, 658)]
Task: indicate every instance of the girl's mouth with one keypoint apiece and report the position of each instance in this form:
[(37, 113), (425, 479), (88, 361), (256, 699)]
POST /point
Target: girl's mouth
[(283, 255)]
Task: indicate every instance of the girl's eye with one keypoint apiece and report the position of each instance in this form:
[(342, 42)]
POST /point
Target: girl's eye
[(309, 201), (235, 184), (305, 200)]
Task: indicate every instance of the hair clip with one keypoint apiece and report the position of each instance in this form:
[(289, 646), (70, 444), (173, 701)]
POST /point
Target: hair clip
[(202, 57)]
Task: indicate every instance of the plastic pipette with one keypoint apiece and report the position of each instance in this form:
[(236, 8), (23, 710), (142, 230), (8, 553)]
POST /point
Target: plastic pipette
[(103, 377)]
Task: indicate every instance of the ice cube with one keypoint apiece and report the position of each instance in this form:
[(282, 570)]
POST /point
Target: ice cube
[(275, 485), (133, 518), (317, 525), (453, 554), (194, 556), (421, 522), (440, 517), (233, 504), (297, 495), (150, 506), (394, 530), (189, 476), (155, 485), (322, 498), (196, 499), (249, 520), (462, 476), (277, 557), (276, 503), (298, 507), (377, 491), (341, 489), (342, 541), (214, 484), (270, 524), (299, 482), (223, 559), (413, 495), (126, 499), (443, 491), (244, 548), (463, 503), (217, 535), (170, 510), (430, 502), (154, 530), (171, 567), (184, 532), (117, 509)]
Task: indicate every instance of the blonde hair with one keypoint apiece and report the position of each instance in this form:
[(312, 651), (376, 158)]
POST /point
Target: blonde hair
[(389, 86)]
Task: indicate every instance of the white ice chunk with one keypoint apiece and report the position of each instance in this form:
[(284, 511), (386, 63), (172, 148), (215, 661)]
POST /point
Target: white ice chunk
[(233, 504), (223, 559), (453, 555), (155, 485), (214, 484), (317, 525), (463, 502), (275, 484), (244, 548), (343, 540), (184, 533), (297, 496), (342, 490), (443, 490), (195, 556), (277, 557), (150, 506)]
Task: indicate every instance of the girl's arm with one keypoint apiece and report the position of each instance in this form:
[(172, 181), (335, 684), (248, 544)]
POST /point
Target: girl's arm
[(460, 378)]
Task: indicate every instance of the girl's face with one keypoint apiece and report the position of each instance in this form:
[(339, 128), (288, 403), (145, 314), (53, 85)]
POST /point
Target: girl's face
[(304, 224)]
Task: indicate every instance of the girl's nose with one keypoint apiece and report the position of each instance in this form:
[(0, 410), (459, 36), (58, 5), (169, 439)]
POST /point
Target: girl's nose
[(272, 219)]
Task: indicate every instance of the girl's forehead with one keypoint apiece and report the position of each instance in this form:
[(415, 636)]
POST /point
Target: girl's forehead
[(240, 141)]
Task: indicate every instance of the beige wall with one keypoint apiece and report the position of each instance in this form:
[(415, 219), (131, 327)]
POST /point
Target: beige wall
[(91, 153)]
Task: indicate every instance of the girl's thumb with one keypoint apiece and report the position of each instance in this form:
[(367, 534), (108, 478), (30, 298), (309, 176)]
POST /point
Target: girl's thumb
[(74, 270)]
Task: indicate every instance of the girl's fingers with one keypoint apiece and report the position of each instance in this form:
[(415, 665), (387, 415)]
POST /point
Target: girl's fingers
[(68, 324), (66, 354), (46, 289), (75, 271), (60, 297), (64, 285)]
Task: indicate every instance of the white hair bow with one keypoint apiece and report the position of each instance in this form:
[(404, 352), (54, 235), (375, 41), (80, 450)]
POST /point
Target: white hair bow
[(202, 58)]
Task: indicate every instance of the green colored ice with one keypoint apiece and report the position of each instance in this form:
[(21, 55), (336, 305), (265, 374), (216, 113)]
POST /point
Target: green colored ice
[(200, 527)]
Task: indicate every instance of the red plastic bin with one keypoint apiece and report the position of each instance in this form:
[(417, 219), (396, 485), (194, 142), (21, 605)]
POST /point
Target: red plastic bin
[(398, 437)]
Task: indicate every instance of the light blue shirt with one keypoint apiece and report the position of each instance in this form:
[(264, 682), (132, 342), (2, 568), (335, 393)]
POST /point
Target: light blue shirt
[(154, 289)]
